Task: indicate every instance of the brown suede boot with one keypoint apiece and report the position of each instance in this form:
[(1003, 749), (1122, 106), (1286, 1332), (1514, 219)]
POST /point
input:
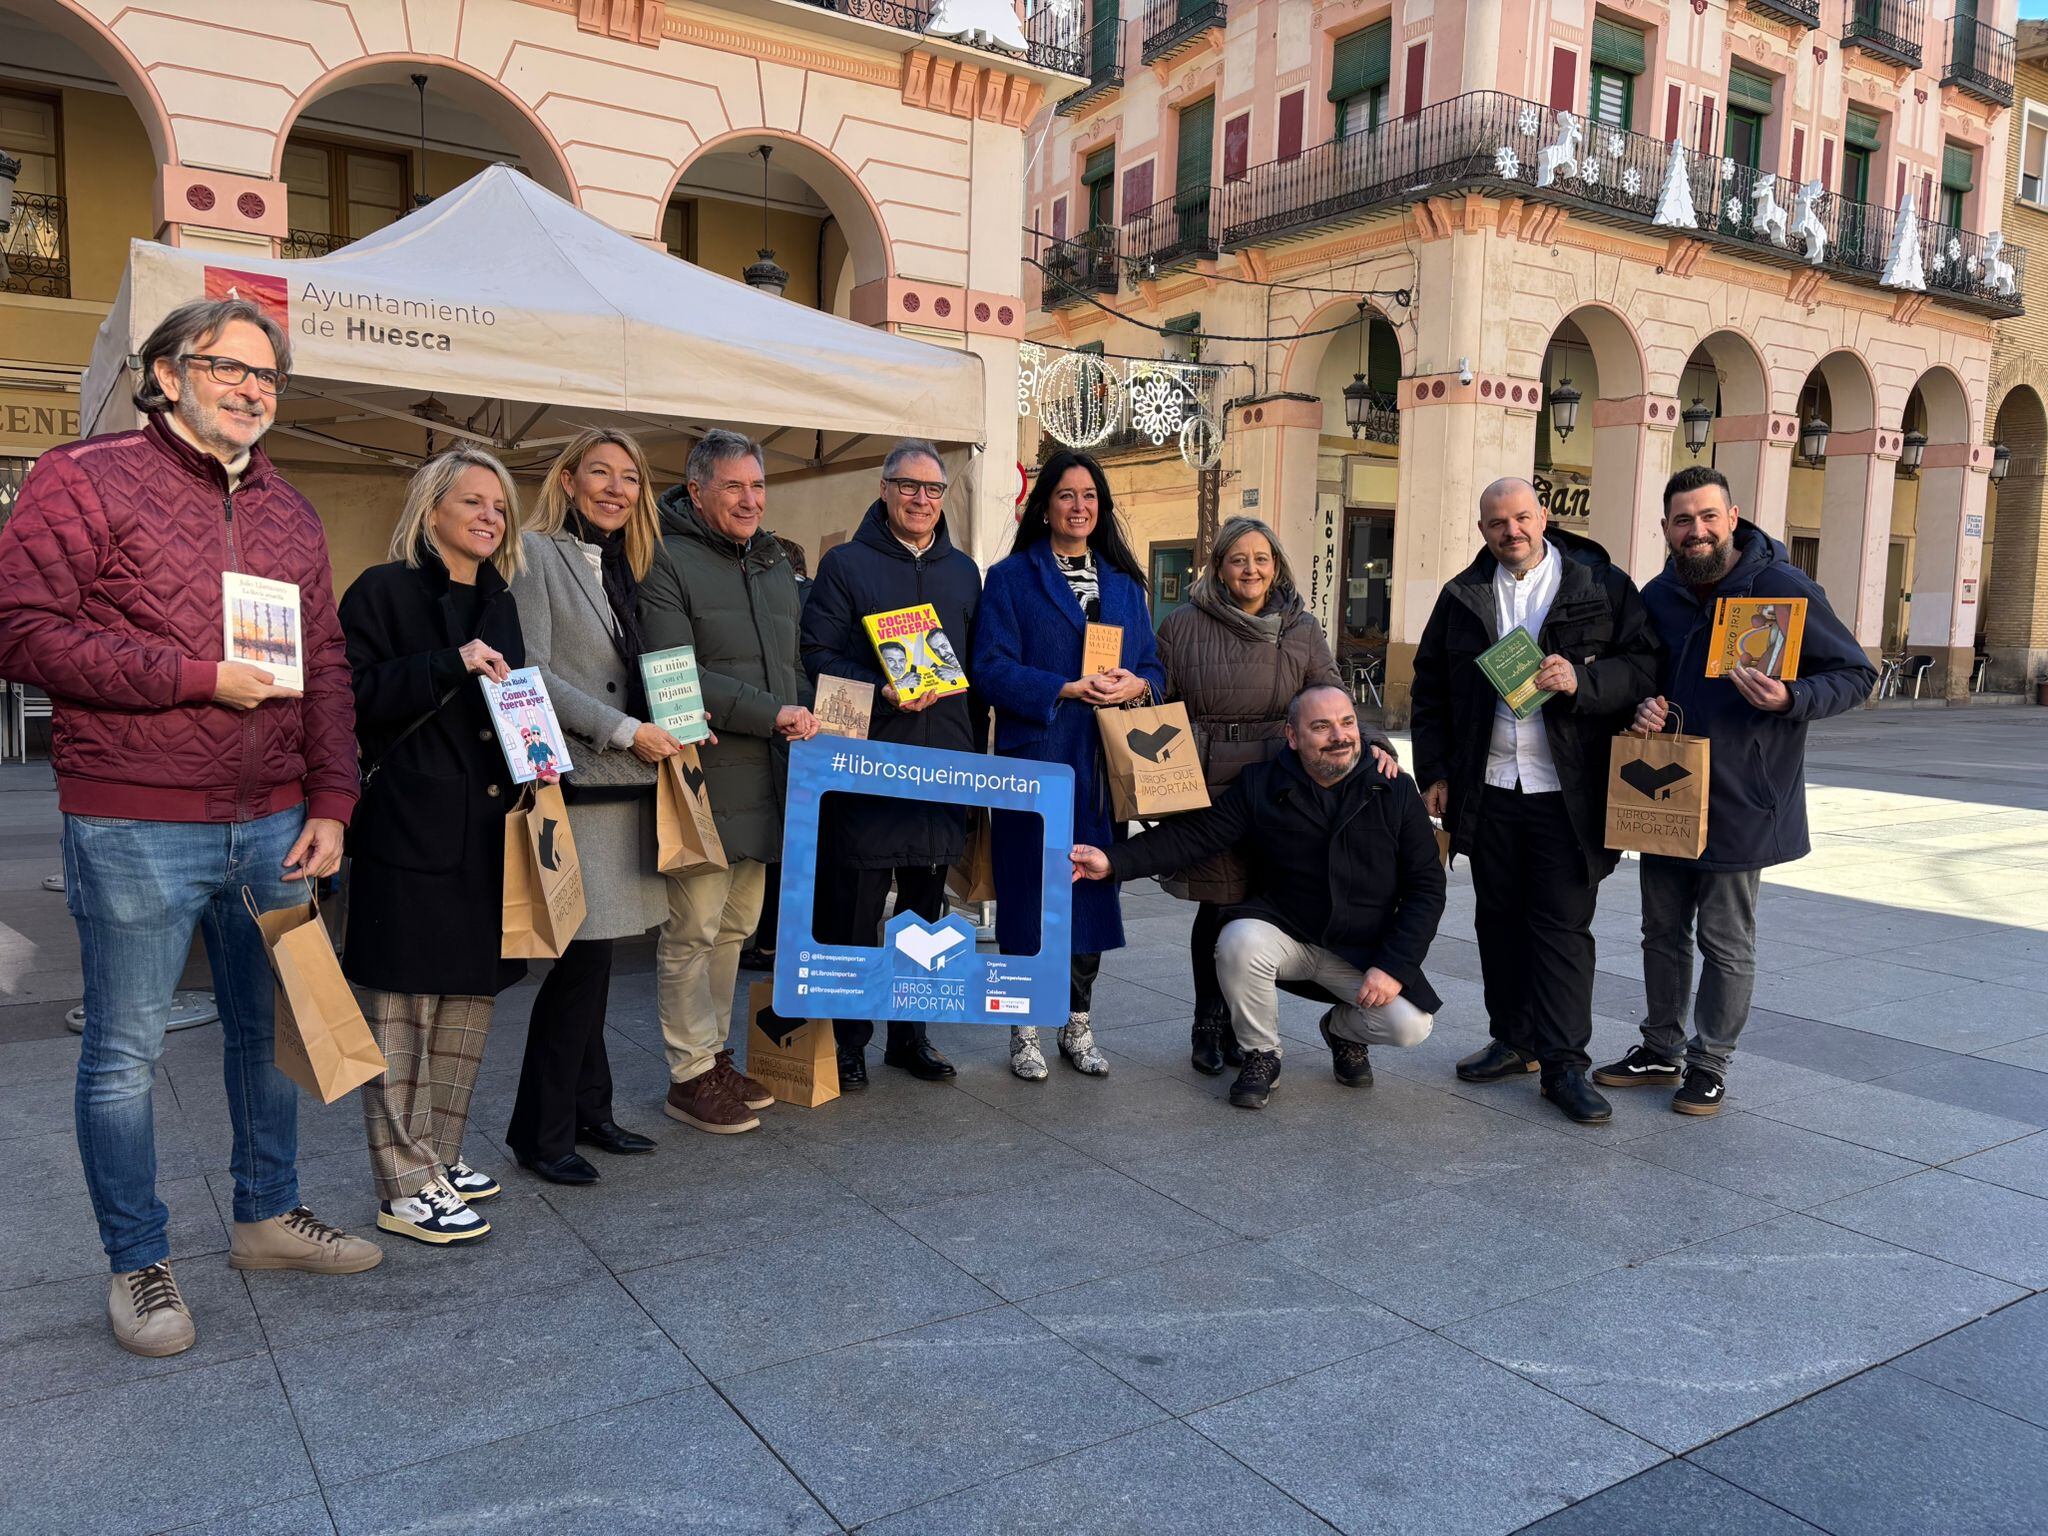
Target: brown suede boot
[(753, 1094), (300, 1240), (707, 1103)]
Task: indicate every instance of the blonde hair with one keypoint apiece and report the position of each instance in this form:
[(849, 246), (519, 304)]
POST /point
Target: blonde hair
[(643, 523), (435, 479)]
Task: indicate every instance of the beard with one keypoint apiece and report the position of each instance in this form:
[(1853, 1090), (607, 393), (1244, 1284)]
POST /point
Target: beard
[(1330, 766), (1696, 567)]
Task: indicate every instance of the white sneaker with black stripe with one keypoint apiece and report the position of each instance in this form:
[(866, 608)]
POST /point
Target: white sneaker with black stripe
[(435, 1215), (470, 1184)]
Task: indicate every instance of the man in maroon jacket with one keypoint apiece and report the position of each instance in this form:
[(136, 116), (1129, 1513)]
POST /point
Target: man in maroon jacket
[(184, 778)]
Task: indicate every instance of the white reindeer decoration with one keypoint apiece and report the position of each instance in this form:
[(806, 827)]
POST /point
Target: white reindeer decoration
[(1806, 224), (1562, 156), (1768, 218), (1997, 272), (980, 23)]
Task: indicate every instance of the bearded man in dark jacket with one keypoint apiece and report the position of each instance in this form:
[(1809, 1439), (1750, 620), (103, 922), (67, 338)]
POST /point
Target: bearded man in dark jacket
[(901, 556)]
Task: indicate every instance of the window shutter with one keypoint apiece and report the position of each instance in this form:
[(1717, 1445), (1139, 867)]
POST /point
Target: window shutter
[(1827, 165), (1237, 143), (1137, 190), (1674, 107), (1859, 129), (1411, 89), (1059, 218), (1799, 154), (1099, 166), (1362, 60), (1289, 144), (1752, 90), (1709, 145), (1617, 47), (1564, 79), (1958, 167), (1197, 145)]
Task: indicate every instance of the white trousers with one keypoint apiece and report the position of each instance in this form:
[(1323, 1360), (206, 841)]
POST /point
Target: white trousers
[(1253, 957)]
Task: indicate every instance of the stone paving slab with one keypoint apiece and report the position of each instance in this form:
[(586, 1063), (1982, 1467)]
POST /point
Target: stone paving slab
[(1649, 1503), (2001, 1361)]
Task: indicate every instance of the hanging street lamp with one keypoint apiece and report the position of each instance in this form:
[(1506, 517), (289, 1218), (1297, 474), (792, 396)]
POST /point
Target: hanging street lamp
[(1698, 418), (765, 274), (2001, 462), (1813, 440), (1564, 407)]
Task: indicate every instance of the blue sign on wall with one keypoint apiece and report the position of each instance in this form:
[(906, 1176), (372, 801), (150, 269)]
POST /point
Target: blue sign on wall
[(926, 971)]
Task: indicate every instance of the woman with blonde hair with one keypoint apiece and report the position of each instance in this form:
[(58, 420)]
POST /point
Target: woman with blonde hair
[(428, 842), (593, 539)]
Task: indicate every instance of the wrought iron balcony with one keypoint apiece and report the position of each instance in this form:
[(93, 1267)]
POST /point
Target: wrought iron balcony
[(1887, 29), (1382, 419), (1071, 268), (1801, 13), (1057, 39), (302, 243), (1503, 145), (1173, 26), (1172, 232), (35, 257), (1980, 60), (1049, 36), (1102, 57)]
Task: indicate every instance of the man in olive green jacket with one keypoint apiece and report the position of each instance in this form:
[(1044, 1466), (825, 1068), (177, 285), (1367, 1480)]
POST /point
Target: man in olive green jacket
[(724, 586)]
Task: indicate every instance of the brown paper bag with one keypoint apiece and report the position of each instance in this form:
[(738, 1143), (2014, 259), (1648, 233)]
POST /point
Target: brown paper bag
[(543, 879), (1154, 770), (796, 1060), (1657, 795), (1443, 843), (322, 1042), (973, 879), (686, 838)]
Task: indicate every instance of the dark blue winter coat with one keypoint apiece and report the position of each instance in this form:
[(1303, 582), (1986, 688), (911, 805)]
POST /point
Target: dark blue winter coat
[(874, 572), (1027, 646), (1756, 779)]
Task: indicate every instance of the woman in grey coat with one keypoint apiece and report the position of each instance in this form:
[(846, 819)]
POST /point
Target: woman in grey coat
[(1237, 654), (593, 538)]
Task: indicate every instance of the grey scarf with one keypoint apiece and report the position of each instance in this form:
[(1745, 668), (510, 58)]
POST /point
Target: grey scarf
[(1283, 607)]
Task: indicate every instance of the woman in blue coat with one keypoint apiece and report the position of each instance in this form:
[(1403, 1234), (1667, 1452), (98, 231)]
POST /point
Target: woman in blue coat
[(1070, 565)]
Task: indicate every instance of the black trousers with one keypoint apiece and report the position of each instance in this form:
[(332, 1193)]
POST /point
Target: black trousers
[(771, 912), (1210, 1002), (850, 903), (1535, 927), (566, 1078), (1081, 973)]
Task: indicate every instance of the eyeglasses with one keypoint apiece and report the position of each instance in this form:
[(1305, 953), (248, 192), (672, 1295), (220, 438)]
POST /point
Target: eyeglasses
[(232, 371), (911, 490)]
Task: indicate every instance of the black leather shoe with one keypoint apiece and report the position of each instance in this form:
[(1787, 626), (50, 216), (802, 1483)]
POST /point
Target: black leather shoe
[(920, 1061), (853, 1069), (1205, 1046), (569, 1168), (1493, 1063), (615, 1139), (1579, 1099)]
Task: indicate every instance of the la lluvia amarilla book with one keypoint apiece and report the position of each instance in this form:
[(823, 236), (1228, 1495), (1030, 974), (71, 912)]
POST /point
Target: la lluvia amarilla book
[(915, 652), (1511, 665), (1759, 632)]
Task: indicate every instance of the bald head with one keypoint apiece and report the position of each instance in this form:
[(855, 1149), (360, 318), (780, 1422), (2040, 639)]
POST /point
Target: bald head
[(1511, 521)]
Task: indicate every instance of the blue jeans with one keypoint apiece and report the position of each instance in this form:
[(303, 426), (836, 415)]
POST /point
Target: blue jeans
[(135, 889)]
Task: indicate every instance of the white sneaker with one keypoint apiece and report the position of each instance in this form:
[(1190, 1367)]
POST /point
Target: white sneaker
[(1026, 1059), (435, 1215), (1077, 1044), (470, 1184)]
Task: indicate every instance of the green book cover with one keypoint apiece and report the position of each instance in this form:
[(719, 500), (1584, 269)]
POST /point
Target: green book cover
[(675, 699), (1511, 666)]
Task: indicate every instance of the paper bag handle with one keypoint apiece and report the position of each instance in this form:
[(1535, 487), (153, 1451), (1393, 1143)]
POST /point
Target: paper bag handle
[(249, 900)]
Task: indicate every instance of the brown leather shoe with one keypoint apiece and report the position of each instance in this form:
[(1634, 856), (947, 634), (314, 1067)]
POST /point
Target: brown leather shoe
[(300, 1240), (706, 1102), (744, 1088)]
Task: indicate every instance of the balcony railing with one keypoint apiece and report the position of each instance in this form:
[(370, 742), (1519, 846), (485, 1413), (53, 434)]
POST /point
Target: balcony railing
[(1501, 144), (1889, 29), (1980, 60), (1382, 420), (1070, 268), (1102, 58), (1177, 229), (1173, 25), (303, 243), (34, 255), (1801, 13), (1048, 36), (1057, 39)]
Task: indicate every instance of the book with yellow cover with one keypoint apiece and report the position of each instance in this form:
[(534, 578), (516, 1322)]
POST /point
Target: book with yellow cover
[(915, 653), (1759, 632)]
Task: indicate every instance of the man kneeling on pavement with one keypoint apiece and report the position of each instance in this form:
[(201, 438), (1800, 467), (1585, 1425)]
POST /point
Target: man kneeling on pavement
[(1343, 892)]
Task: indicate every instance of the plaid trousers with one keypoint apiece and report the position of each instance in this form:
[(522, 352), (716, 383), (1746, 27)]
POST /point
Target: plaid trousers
[(416, 1113)]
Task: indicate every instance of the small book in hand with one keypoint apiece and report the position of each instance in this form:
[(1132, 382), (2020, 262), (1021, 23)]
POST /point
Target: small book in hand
[(1511, 665)]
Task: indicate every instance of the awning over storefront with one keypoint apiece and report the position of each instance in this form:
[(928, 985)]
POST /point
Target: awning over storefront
[(502, 315)]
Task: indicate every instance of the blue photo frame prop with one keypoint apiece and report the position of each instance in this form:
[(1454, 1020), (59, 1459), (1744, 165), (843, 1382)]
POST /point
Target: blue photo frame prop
[(930, 972)]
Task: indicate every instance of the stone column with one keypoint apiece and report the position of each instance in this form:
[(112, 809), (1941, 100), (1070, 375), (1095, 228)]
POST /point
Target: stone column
[(1631, 462), (1755, 453), (1856, 529), (1948, 557), (2017, 591)]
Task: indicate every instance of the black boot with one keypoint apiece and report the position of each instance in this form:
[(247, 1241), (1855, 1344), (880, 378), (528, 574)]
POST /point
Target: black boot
[(1577, 1098), (1205, 1050)]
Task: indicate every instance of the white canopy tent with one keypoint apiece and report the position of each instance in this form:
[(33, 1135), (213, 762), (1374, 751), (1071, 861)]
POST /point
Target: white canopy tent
[(502, 315)]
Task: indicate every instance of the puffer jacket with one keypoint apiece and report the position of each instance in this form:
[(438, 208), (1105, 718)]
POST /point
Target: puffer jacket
[(110, 601), (738, 607), (1237, 680)]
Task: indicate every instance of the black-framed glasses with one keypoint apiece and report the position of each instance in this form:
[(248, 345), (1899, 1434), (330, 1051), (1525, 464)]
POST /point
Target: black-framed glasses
[(930, 490), (232, 371)]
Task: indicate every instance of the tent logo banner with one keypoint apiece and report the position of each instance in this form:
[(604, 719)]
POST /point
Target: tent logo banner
[(381, 320), (925, 970), (270, 294)]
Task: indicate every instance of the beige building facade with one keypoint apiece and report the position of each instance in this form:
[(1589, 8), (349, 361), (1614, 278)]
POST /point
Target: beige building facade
[(891, 193), (1589, 243)]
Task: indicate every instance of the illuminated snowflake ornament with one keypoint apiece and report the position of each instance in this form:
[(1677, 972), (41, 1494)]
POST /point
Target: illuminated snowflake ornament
[(1631, 180), (1939, 264), (1528, 122), (1955, 249), (1615, 145), (1727, 167), (1157, 403), (1506, 163), (1589, 171)]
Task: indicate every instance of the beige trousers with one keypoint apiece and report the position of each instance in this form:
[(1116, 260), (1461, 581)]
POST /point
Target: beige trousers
[(697, 960), (1253, 957)]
